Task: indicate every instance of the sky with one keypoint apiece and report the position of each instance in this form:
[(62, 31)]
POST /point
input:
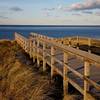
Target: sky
[(50, 12)]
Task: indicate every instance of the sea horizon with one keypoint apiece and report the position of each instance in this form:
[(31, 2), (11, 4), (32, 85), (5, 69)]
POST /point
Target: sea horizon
[(50, 50), (49, 25), (7, 31)]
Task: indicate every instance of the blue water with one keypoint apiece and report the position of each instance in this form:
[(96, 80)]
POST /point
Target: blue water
[(7, 32)]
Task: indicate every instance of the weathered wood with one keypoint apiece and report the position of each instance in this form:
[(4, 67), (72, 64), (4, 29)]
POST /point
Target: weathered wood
[(30, 44), (85, 55), (33, 50), (97, 86), (52, 60), (38, 62), (44, 61), (89, 45), (69, 40), (75, 72), (86, 74), (65, 76), (77, 42), (48, 51), (81, 90)]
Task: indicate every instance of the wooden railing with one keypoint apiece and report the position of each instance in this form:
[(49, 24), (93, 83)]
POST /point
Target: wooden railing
[(76, 42), (75, 66)]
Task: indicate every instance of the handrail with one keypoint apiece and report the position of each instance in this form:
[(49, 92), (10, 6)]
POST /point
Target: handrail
[(20, 35), (86, 55), (67, 37), (88, 58)]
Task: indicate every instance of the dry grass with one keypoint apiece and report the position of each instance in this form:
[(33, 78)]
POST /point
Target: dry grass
[(19, 81)]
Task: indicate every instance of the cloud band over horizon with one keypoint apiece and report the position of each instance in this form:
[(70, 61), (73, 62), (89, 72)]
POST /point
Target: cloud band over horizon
[(66, 12)]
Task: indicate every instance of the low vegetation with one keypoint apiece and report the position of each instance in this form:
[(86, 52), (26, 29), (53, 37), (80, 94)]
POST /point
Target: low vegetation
[(20, 79)]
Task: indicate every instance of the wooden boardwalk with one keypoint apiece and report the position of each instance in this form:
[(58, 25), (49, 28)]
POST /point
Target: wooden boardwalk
[(79, 68)]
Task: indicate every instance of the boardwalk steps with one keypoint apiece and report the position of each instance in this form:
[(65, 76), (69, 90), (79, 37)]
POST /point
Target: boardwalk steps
[(77, 67)]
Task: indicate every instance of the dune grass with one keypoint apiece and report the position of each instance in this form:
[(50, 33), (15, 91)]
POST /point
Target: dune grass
[(19, 81)]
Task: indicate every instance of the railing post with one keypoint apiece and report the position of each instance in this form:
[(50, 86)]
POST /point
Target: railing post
[(52, 61), (30, 48), (44, 61), (33, 49), (69, 40), (86, 74), (89, 45), (38, 62), (28, 43), (25, 46), (65, 77), (77, 42)]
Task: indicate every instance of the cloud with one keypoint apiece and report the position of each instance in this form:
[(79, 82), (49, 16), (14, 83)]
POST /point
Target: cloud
[(53, 8), (47, 14), (76, 14), (52, 12), (97, 13), (59, 7), (3, 17), (49, 9), (87, 12), (86, 5), (16, 9)]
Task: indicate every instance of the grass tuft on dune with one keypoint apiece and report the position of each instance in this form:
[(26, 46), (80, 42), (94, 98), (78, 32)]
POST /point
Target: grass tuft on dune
[(19, 81)]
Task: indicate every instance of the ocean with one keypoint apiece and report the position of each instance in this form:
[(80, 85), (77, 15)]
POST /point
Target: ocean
[(7, 31)]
